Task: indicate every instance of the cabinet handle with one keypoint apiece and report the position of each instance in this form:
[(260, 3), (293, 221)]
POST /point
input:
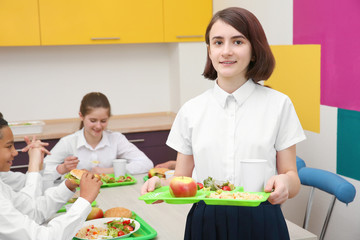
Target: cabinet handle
[(19, 166), (105, 38), (137, 140), (190, 36)]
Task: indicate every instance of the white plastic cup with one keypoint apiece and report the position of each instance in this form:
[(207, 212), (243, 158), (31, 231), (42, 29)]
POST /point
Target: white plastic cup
[(253, 174), (119, 167), (169, 174)]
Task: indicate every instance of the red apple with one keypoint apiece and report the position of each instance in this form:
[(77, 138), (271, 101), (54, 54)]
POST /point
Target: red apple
[(95, 213), (183, 187)]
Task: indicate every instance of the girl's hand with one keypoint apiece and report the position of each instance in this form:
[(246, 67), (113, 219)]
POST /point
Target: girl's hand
[(34, 143), (169, 164), (150, 185), (279, 185), (36, 151), (69, 164)]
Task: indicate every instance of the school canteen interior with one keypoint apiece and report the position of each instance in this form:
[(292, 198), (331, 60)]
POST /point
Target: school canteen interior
[(317, 66)]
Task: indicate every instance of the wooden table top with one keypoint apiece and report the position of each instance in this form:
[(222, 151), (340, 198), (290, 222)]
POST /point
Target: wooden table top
[(145, 122)]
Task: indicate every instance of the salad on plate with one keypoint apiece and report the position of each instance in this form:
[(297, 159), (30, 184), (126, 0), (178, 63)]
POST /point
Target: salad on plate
[(108, 228)]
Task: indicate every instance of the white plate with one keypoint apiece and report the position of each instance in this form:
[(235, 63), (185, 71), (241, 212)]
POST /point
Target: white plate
[(100, 223)]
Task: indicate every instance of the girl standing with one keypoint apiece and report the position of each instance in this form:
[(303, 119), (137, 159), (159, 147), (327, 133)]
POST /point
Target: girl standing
[(237, 119)]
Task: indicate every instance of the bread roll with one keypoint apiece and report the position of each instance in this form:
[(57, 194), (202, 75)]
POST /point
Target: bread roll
[(118, 212)]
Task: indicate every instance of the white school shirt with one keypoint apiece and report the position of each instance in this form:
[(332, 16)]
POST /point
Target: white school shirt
[(220, 129), (22, 212), (112, 145), (16, 180)]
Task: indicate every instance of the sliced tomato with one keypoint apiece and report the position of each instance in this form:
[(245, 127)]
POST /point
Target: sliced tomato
[(120, 233), (226, 188), (128, 178), (200, 186), (126, 222), (130, 228)]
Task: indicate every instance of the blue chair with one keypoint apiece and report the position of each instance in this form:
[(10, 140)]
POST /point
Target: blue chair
[(328, 182)]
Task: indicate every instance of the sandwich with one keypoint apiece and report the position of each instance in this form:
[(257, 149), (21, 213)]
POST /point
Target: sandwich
[(118, 212), (75, 175), (159, 172)]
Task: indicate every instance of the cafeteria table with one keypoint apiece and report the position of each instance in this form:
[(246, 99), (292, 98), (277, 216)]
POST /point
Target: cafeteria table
[(167, 219)]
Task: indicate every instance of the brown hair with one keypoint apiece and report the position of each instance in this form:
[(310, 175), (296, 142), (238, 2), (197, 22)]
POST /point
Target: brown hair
[(263, 63), (93, 100), (3, 123)]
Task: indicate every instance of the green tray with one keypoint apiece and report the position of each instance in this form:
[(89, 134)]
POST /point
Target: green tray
[(63, 209), (120, 183), (146, 178), (145, 231), (163, 194)]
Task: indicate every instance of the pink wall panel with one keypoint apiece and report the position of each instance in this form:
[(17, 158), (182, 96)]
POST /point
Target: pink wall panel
[(335, 24)]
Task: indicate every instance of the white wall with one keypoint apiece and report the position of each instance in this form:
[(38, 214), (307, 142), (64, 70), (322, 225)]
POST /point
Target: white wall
[(275, 16), (49, 82)]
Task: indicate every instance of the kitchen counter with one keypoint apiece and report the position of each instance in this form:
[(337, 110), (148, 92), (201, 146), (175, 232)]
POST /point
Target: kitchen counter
[(146, 122)]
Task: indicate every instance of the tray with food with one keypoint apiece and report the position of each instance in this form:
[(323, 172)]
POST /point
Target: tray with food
[(117, 223), (184, 190), (109, 180)]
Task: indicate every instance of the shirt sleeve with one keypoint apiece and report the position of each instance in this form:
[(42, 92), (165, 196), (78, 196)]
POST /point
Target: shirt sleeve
[(16, 180), (39, 208), (290, 131), (137, 161), (15, 225), (59, 152), (180, 134)]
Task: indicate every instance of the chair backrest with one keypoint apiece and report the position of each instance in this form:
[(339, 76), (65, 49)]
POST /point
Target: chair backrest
[(328, 182)]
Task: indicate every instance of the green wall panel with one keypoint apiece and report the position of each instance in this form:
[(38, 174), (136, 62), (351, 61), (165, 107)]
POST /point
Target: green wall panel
[(348, 143)]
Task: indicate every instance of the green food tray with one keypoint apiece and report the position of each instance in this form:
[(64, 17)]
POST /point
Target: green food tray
[(118, 183), (163, 194), (146, 178), (145, 231), (63, 209)]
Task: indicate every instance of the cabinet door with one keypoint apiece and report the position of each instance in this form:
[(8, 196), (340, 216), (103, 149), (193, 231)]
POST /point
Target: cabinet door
[(186, 20), (21, 161), (153, 144), (19, 23), (100, 22)]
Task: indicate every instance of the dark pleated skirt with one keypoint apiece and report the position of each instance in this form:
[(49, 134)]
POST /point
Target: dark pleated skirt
[(213, 222)]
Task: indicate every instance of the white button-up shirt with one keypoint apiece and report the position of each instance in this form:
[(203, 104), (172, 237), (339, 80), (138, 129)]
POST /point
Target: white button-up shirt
[(22, 212), (220, 129), (112, 145), (16, 180)]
